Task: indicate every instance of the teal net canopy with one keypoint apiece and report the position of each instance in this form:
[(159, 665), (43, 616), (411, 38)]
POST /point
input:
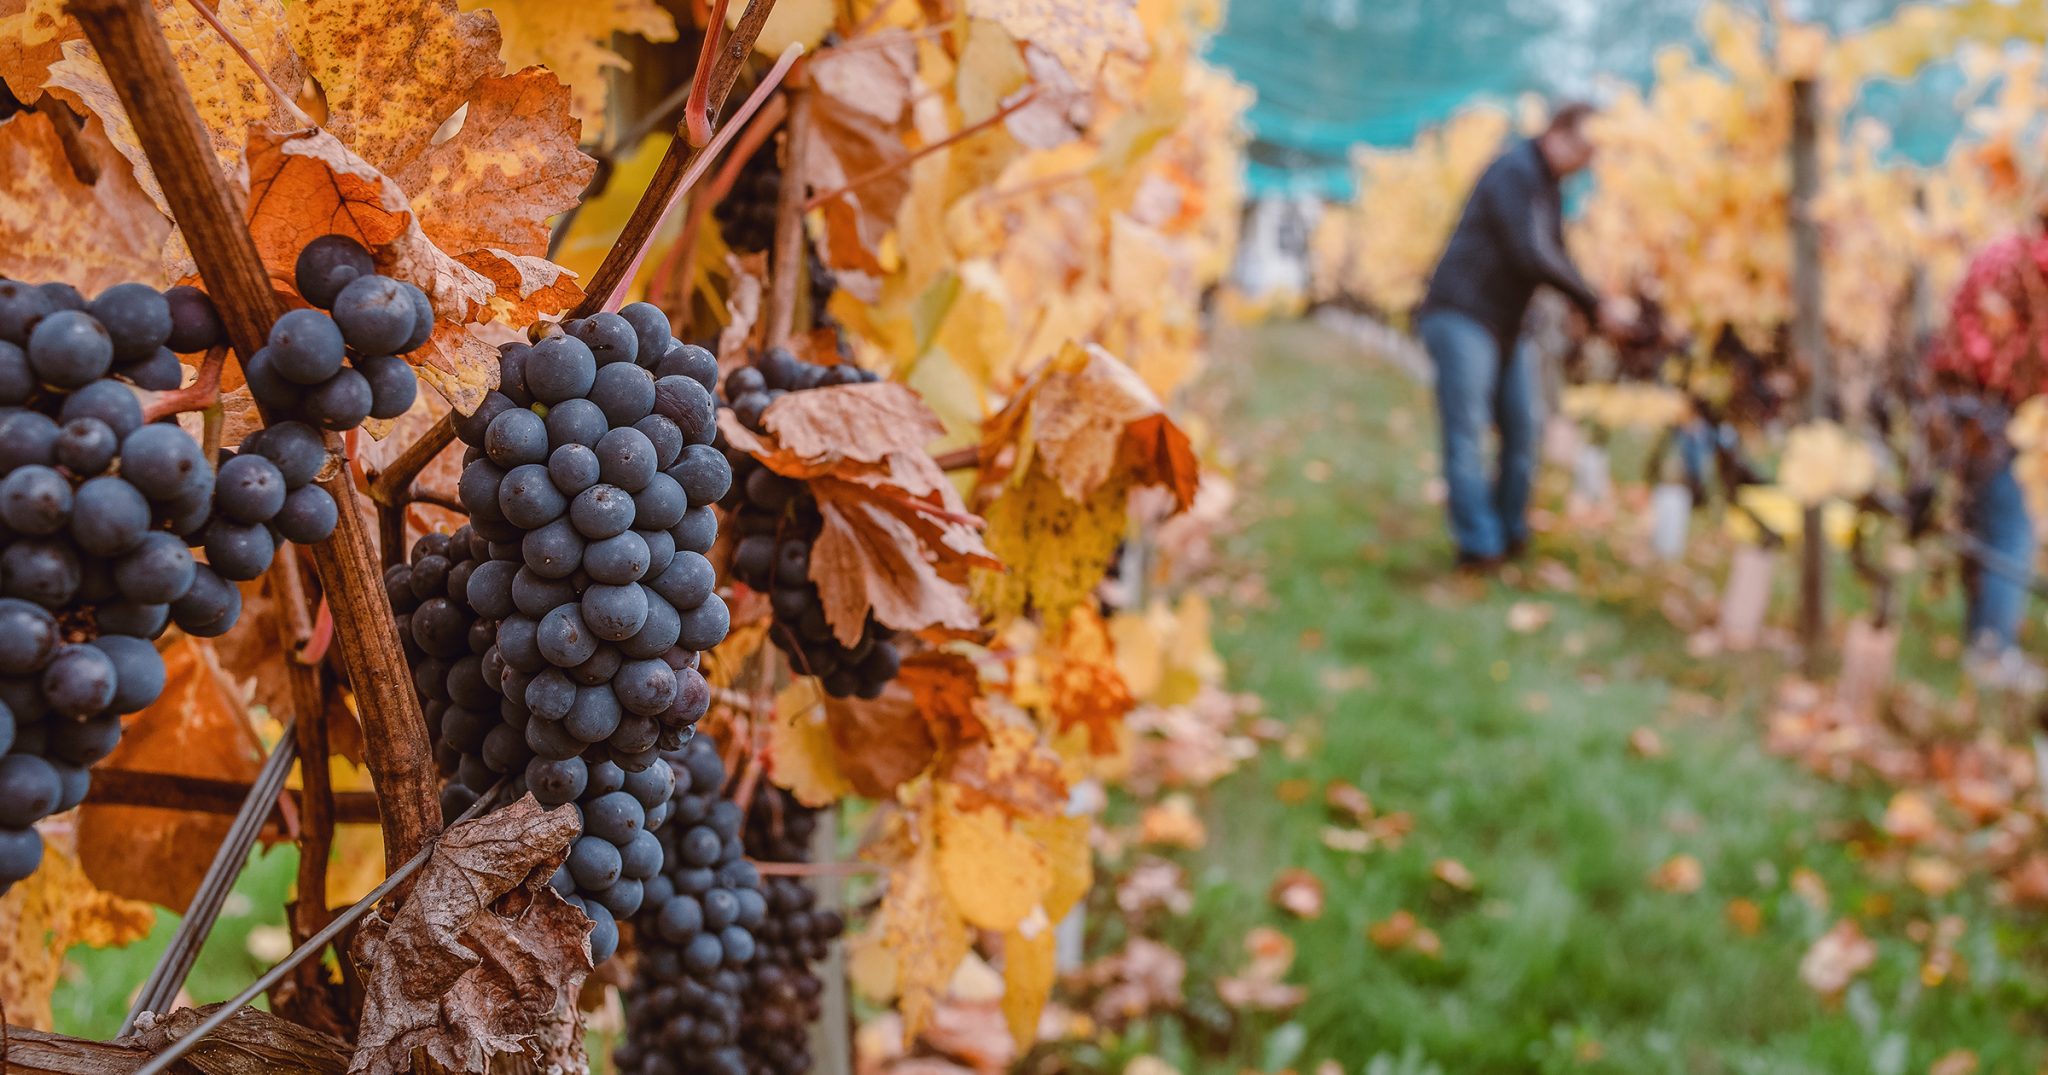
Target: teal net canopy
[(1334, 74)]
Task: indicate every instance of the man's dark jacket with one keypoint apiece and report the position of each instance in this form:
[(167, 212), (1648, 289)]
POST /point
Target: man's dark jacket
[(1509, 242)]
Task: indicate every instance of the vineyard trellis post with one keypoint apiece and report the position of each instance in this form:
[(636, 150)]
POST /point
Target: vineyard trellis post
[(1809, 346)]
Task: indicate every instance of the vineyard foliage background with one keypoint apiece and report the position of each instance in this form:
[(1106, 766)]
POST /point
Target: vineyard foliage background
[(1022, 204)]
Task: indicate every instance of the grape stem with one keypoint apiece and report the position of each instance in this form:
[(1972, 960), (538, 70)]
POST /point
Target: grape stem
[(697, 111), (683, 255), (436, 496), (891, 168), (788, 264), (699, 161), (203, 392), (654, 201), (966, 458), (391, 485)]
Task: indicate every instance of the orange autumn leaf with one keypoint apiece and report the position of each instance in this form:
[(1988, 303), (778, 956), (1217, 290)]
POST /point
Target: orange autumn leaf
[(195, 728), (512, 165), (947, 690), (54, 226), (1086, 689), (1298, 892), (1090, 418), (383, 101), (573, 40), (1009, 769), (1681, 874)]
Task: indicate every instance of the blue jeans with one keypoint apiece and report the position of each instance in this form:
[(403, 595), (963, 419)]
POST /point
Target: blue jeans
[(1999, 519), (1477, 388)]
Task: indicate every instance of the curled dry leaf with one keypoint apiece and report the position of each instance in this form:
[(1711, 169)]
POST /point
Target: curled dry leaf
[(53, 226), (1836, 959), (1745, 916), (879, 743), (1298, 892), (1173, 823), (1090, 418), (476, 961), (859, 116), (897, 541)]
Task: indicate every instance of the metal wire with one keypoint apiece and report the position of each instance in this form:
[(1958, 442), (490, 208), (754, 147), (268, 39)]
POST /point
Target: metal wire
[(162, 1061), (171, 970)]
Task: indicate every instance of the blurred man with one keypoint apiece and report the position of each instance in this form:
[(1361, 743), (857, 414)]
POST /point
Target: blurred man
[(1509, 242)]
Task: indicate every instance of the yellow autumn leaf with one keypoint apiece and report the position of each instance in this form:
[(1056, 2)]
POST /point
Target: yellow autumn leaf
[(43, 917), (992, 870), (1028, 973), (919, 923), (1056, 549), (1825, 462), (574, 41), (1069, 858), (802, 757)]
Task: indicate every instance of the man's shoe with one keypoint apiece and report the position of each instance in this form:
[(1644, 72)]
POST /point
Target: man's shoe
[(1517, 549), (1474, 564)]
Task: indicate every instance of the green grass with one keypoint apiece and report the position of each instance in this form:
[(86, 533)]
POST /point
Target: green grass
[(1511, 752)]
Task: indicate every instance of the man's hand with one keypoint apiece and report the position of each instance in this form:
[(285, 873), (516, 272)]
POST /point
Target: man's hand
[(1617, 316)]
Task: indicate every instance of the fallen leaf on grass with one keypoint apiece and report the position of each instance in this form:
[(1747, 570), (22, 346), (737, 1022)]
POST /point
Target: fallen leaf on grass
[(1298, 892), (1353, 841), (1681, 874), (1958, 1062), (1646, 743), (1401, 930), (1348, 800), (1453, 873), (1258, 986), (1528, 617), (1292, 791), (478, 957), (2028, 883), (1937, 877), (1745, 916), (1808, 886), (1910, 817), (1173, 823), (1154, 884), (1836, 959)]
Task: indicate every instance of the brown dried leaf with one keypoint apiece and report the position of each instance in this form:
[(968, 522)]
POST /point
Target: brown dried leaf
[(53, 227), (866, 423), (870, 557), (880, 743), (1298, 892), (1011, 770), (32, 36), (1084, 686), (481, 954), (196, 728), (1837, 958), (858, 122)]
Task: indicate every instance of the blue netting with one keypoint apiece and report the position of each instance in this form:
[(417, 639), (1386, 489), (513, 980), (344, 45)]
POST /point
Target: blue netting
[(1332, 74)]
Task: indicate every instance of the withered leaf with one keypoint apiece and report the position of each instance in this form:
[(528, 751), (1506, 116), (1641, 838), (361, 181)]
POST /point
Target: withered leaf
[(881, 742), (862, 422), (858, 123), (869, 558), (32, 36), (53, 227), (572, 40), (1078, 33), (482, 952)]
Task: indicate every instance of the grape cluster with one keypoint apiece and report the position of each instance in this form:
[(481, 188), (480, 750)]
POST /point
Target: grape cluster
[(778, 521), (694, 933), (455, 667), (99, 511), (782, 992), (590, 479), (334, 369), (746, 215)]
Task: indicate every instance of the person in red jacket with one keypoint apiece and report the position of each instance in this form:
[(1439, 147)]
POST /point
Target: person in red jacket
[(1993, 355)]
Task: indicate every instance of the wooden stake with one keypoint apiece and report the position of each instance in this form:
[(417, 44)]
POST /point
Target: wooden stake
[(209, 212), (1809, 343)]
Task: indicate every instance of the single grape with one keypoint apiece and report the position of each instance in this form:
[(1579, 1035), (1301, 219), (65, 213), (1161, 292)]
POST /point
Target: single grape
[(393, 385), (28, 635), (273, 391), (697, 532), (305, 347), (327, 265), (374, 314), (249, 489), (308, 517), (195, 323), (138, 671), (594, 863), (705, 626), (666, 438), (238, 551), (575, 421), (136, 317), (564, 639), (17, 380), (624, 392), (109, 401), (341, 402), (610, 337), (422, 319), (703, 473), (555, 551), (85, 447), (614, 613), (35, 500), (689, 405), (617, 560), (21, 306), (43, 570), (650, 329), (68, 349), (601, 511), (528, 499), (29, 790), (79, 681), (560, 368), (573, 468), (594, 716), (165, 463), (108, 517), (160, 372), (130, 618), (626, 458), (21, 851), (470, 427), (296, 449), (209, 606), (515, 437), (688, 582)]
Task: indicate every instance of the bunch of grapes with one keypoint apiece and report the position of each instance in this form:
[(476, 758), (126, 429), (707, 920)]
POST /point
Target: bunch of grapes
[(455, 667), (694, 933), (590, 479), (337, 368), (99, 511), (746, 215), (782, 992), (778, 522)]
